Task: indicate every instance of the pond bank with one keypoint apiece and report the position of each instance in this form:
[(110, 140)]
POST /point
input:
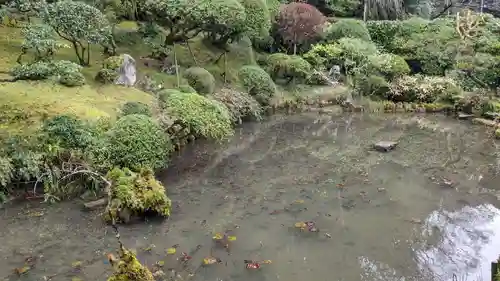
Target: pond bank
[(373, 206)]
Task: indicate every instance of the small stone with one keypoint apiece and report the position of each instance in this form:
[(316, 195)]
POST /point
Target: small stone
[(381, 189), (464, 116), (492, 115), (385, 146)]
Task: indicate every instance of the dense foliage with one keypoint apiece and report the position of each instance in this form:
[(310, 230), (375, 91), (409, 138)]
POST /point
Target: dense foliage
[(300, 23), (257, 83), (202, 116), (78, 23), (137, 141), (200, 79)]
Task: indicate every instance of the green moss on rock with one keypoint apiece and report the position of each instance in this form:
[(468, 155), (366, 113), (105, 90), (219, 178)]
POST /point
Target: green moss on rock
[(130, 269), (139, 193)]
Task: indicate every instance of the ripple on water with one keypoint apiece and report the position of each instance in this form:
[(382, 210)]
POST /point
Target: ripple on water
[(387, 215)]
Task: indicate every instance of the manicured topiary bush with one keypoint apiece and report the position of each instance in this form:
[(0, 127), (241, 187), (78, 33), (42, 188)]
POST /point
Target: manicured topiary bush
[(257, 83), (202, 116), (69, 131), (137, 141), (288, 67), (200, 79), (133, 107), (165, 93), (388, 65), (427, 89), (347, 28), (186, 89), (241, 105), (324, 56)]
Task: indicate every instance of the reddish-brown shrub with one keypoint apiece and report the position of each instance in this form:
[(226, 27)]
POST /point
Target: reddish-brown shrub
[(300, 22)]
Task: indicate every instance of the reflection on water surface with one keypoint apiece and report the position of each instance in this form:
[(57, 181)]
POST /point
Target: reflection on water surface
[(416, 213)]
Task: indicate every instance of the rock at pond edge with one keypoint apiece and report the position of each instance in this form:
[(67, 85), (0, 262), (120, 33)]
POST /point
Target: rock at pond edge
[(385, 146)]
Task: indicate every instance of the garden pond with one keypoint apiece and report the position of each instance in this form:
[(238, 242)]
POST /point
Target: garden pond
[(423, 211)]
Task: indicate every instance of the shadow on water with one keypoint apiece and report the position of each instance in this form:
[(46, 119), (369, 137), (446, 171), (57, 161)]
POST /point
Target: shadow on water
[(421, 212)]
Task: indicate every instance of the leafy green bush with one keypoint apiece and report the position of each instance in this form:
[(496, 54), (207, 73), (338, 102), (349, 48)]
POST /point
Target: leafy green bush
[(165, 93), (324, 56), (389, 65), (479, 70), (258, 18), (113, 62), (6, 172), (36, 71), (139, 192), (109, 72), (133, 107), (372, 85), (351, 28), (240, 105), (68, 72), (137, 141), (72, 79), (200, 79), (106, 76), (186, 89), (356, 50), (202, 116), (426, 89), (288, 67), (258, 83), (389, 34), (69, 132)]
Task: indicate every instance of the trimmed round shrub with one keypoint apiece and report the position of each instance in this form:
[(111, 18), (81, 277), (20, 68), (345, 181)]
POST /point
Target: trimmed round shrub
[(6, 173), (419, 88), (372, 85), (288, 67), (35, 71), (137, 141), (202, 116), (109, 72), (133, 107), (69, 131), (258, 83), (72, 79), (324, 56), (389, 65), (113, 62), (165, 93), (355, 50), (241, 105), (258, 19), (351, 28), (106, 76), (200, 79), (186, 89)]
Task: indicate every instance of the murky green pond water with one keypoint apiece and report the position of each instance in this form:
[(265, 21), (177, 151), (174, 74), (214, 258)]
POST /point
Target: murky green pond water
[(424, 211)]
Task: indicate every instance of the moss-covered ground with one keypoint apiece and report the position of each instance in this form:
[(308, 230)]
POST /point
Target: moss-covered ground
[(24, 105)]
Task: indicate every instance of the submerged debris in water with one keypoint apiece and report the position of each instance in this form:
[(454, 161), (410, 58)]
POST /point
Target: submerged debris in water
[(251, 264), (309, 226), (223, 239), (211, 260), (22, 270), (129, 268)]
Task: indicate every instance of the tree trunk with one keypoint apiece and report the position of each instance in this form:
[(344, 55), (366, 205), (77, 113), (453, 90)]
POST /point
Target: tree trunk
[(79, 55), (177, 74), (294, 44), (225, 68), (365, 10)]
